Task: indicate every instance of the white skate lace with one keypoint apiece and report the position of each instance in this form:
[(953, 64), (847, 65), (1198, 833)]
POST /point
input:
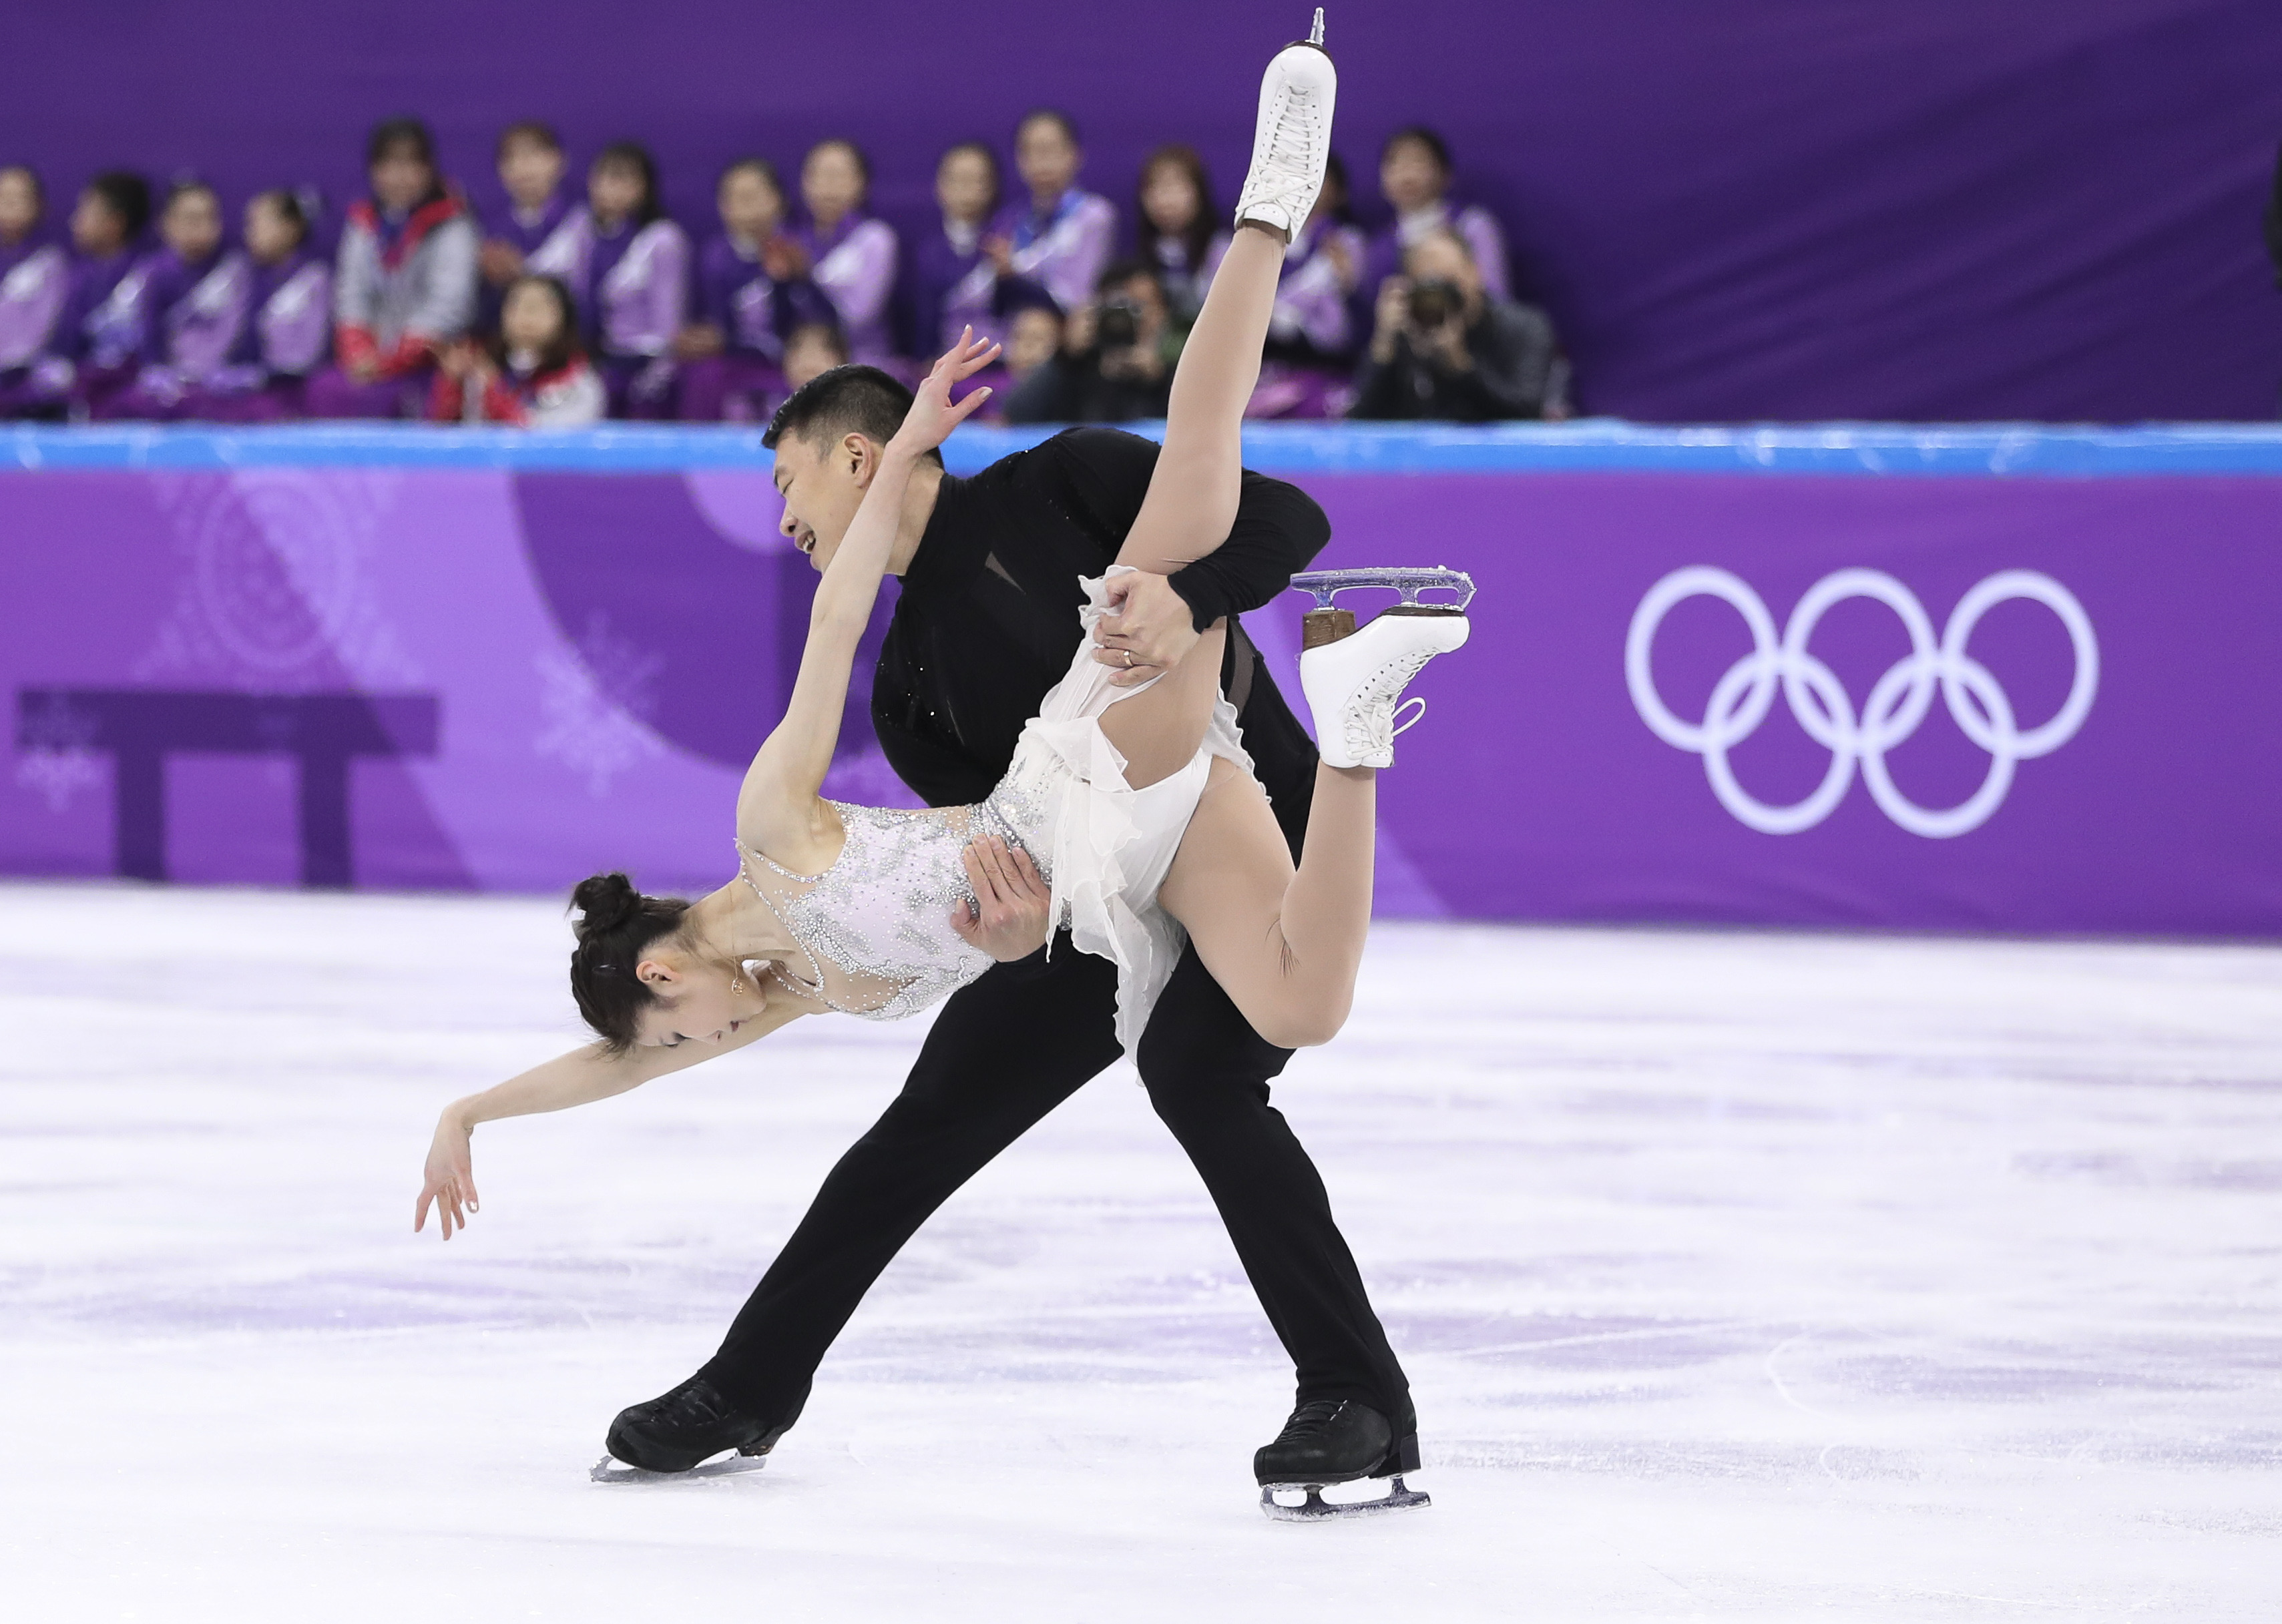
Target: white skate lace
[(1368, 724), (1281, 172)]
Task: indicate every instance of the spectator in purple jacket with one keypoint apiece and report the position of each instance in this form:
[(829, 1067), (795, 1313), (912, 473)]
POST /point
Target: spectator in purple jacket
[(627, 265), (192, 308), (750, 295), (34, 276), (287, 326), (530, 160), (954, 283), (1060, 235), (91, 348), (1415, 175), (1179, 229), (850, 255)]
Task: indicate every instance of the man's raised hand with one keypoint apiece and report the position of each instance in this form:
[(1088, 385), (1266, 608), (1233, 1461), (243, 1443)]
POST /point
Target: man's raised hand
[(933, 415)]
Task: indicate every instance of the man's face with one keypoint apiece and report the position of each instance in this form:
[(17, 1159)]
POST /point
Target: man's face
[(822, 487), (1149, 300), (530, 170), (1439, 260)]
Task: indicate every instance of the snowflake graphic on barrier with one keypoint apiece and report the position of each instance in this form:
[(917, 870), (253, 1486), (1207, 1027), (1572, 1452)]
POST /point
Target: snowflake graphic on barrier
[(596, 702), (56, 762)]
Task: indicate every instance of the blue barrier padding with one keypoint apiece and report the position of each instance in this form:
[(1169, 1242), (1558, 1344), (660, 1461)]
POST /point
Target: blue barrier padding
[(1600, 443)]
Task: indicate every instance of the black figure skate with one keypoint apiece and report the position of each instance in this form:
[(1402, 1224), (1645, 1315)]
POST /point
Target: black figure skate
[(693, 1432), (1335, 1441)]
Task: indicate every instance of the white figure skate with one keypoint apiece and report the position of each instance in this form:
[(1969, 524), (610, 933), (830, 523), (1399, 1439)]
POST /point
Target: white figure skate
[(1292, 140), (1354, 677)]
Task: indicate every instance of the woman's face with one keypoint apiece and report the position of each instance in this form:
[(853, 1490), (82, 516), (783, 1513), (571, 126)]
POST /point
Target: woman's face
[(95, 228), (963, 186), (269, 235), (1048, 158), (831, 184), (614, 190), (694, 1002), (1168, 198), (530, 319), (191, 225), (1409, 177), (20, 203), (751, 208), (401, 179)]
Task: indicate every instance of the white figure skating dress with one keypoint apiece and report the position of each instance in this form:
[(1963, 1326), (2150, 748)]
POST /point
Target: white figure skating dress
[(874, 928)]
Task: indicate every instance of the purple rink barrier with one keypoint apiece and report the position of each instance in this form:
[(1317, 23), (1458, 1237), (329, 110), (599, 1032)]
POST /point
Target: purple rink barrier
[(2002, 678)]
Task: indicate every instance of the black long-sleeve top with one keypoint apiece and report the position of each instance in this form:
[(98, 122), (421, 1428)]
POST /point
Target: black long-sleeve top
[(1513, 352), (988, 615)]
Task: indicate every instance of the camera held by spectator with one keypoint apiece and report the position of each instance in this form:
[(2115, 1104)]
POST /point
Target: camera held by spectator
[(1116, 360)]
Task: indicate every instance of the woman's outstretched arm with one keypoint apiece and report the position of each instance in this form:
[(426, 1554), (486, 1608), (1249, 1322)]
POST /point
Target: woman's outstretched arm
[(580, 1077), (781, 788)]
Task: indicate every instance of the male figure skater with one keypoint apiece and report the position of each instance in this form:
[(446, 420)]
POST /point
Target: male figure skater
[(984, 628)]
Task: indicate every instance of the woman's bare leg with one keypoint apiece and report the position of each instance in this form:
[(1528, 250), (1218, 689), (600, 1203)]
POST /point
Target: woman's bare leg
[(1193, 494), (1285, 944)]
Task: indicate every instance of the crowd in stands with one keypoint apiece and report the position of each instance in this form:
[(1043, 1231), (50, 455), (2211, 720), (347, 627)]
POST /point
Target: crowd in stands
[(563, 309)]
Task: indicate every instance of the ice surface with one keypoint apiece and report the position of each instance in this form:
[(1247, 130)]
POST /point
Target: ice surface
[(1752, 1277)]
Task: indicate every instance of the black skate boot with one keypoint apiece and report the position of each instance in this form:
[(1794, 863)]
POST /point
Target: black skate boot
[(677, 1434), (1335, 1441)]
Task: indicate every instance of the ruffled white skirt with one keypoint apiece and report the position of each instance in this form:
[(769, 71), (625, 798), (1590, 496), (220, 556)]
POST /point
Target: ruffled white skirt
[(1106, 845)]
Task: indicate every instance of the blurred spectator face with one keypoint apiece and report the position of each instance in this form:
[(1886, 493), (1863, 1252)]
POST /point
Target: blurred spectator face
[(1031, 341), (614, 190), (531, 318), (269, 235), (1047, 158), (191, 225), (530, 170), (752, 207), (1168, 198), (1151, 315), (20, 203), (401, 179), (1441, 257), (1410, 177), (95, 228), (812, 350), (964, 186), (831, 182)]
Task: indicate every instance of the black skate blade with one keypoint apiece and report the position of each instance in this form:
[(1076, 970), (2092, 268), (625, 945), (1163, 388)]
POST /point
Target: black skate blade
[(611, 1470), (1315, 1508)]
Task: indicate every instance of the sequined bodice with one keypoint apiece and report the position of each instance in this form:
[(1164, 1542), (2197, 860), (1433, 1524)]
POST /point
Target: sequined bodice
[(876, 927)]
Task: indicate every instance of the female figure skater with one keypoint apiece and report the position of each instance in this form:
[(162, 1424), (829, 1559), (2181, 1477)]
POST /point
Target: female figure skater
[(1130, 810)]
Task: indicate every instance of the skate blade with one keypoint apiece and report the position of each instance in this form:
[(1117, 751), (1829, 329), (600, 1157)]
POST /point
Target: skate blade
[(1315, 1508), (1325, 584), (611, 1470)]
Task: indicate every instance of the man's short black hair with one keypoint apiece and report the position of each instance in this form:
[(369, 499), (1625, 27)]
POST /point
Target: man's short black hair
[(854, 399)]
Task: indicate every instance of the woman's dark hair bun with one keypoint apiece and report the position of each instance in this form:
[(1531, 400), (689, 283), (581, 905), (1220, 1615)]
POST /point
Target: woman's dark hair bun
[(615, 925), (604, 901)]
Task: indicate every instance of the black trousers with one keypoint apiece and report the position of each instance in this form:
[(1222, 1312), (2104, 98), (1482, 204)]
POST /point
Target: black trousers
[(1004, 1051)]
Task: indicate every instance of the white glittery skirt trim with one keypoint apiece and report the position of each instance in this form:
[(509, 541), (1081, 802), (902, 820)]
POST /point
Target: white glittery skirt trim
[(1106, 845)]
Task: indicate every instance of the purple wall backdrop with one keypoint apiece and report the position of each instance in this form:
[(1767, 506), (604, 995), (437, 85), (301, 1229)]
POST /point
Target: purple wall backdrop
[(1803, 209), (549, 695)]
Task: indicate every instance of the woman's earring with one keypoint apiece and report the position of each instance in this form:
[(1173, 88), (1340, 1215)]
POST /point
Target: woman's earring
[(737, 984)]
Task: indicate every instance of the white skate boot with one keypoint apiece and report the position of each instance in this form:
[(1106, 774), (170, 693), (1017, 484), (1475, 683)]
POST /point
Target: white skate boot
[(1293, 141), (1354, 677)]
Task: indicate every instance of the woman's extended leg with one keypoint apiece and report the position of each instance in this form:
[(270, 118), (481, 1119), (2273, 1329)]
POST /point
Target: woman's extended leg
[(1193, 495), (1285, 944)]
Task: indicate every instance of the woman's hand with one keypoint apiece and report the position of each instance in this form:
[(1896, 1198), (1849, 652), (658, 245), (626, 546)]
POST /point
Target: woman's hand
[(933, 416), (1148, 630), (1011, 923), (450, 1178)]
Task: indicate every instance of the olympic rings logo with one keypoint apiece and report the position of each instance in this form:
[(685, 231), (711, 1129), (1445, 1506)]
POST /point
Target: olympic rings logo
[(1899, 701)]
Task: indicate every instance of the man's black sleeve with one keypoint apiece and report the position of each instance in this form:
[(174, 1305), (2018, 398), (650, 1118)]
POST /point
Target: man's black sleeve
[(1278, 532)]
